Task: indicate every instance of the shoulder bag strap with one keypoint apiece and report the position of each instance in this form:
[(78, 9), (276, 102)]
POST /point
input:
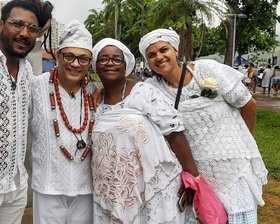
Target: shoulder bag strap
[(180, 86)]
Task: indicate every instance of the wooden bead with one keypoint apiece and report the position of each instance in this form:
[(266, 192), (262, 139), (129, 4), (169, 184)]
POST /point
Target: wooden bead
[(52, 100), (66, 152), (56, 128), (91, 126), (85, 153)]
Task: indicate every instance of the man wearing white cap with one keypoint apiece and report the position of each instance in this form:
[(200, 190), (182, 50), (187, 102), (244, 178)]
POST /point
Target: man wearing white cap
[(61, 119)]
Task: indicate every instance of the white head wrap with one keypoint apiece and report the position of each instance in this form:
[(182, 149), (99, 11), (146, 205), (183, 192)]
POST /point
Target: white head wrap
[(154, 36), (75, 35), (128, 56)]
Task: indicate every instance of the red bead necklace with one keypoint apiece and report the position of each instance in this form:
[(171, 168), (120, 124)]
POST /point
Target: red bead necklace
[(87, 103)]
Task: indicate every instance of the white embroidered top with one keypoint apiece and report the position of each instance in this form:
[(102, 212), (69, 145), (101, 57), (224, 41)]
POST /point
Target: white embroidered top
[(136, 176), (225, 152), (52, 172), (13, 125)]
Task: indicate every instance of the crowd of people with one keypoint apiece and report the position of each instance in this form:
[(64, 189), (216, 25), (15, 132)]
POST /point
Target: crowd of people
[(268, 78), (116, 154)]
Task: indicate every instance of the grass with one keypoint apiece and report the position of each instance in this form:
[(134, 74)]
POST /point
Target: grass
[(267, 135), (95, 77)]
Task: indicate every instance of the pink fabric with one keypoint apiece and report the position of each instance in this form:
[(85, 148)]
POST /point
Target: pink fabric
[(208, 207)]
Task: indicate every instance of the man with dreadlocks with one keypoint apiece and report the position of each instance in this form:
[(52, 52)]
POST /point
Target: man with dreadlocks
[(21, 23)]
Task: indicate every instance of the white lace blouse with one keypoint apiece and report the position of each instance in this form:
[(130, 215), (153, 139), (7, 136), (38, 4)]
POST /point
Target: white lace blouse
[(225, 152), (136, 176), (52, 172), (13, 125)]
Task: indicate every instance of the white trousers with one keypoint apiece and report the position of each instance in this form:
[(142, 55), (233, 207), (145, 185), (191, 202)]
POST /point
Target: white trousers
[(12, 206), (61, 209)]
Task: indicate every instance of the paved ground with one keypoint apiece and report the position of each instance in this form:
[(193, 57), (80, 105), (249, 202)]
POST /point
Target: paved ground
[(267, 101)]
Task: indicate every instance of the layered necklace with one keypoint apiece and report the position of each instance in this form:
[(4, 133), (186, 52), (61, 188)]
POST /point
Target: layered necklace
[(55, 97)]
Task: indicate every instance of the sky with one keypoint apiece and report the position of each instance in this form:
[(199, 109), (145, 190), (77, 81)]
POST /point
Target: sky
[(66, 10)]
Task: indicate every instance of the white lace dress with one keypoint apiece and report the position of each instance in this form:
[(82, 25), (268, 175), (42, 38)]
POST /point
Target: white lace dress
[(225, 152), (136, 176)]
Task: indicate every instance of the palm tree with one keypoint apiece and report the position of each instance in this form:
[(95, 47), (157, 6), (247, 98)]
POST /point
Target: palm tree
[(95, 19), (185, 11), (113, 7), (98, 25)]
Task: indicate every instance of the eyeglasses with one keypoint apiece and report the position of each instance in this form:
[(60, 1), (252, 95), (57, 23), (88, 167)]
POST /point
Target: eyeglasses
[(70, 58), (19, 25), (106, 60)]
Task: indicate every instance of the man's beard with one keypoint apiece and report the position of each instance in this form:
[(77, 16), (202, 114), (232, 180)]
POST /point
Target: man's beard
[(7, 47)]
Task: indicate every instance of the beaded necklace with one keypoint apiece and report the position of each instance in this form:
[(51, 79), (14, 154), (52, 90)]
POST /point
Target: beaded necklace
[(55, 94)]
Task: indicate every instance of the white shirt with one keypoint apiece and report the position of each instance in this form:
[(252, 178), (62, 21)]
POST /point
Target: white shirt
[(13, 125), (53, 173)]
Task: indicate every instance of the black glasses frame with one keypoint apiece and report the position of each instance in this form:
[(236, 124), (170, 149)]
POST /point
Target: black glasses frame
[(106, 60), (70, 58)]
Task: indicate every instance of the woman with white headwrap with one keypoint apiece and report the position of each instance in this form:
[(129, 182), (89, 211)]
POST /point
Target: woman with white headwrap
[(136, 177), (219, 116)]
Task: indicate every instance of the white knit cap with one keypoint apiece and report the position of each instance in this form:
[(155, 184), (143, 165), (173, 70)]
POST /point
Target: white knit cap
[(75, 35), (154, 36), (128, 56)]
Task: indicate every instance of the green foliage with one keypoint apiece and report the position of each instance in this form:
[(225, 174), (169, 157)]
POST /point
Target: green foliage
[(214, 40), (255, 33), (266, 133)]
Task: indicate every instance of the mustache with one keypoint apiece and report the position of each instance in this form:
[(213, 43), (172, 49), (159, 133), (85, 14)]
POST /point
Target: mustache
[(23, 40)]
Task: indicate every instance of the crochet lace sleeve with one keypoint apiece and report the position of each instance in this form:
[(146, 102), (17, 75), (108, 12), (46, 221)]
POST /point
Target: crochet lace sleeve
[(152, 103), (229, 81)]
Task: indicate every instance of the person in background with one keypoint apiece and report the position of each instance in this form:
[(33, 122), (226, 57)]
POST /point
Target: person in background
[(266, 79), (136, 177), (275, 80), (253, 75), (61, 120), (219, 117), (20, 25)]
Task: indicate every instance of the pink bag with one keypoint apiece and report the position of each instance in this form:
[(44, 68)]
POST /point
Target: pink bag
[(208, 207)]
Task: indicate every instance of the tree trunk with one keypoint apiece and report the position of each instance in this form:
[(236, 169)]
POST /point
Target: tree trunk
[(182, 33), (116, 18), (229, 41), (189, 43)]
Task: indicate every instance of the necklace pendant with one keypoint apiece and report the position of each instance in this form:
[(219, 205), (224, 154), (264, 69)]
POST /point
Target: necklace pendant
[(81, 144)]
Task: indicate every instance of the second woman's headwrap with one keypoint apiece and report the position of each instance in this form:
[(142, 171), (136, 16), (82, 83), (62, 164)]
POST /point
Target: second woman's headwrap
[(154, 36), (128, 56)]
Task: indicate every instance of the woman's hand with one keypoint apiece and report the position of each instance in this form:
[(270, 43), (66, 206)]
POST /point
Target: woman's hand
[(97, 97), (185, 197)]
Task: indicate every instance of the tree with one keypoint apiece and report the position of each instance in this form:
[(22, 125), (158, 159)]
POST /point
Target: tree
[(185, 12), (257, 32)]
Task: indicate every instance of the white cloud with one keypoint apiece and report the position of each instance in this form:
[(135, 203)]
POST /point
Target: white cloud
[(66, 10)]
